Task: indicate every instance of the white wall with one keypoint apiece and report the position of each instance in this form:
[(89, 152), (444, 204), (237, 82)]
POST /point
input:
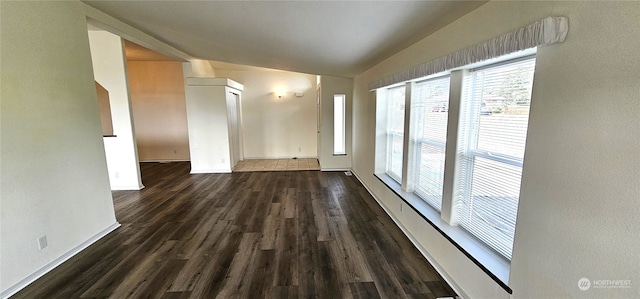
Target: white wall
[(110, 70), (277, 127), (579, 204), (208, 123), (330, 86), (582, 164), (54, 172)]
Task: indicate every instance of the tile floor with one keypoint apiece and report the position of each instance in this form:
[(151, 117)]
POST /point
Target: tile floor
[(276, 165)]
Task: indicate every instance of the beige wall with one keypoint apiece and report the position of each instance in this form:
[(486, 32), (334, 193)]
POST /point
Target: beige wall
[(330, 86), (54, 172), (579, 204), (159, 110), (105, 110), (272, 127)]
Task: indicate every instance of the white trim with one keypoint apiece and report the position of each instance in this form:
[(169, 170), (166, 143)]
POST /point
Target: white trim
[(339, 130), (335, 169), (164, 161), (210, 81), (279, 158), (127, 188), (104, 21), (57, 262), (461, 293), (543, 32), (221, 170)]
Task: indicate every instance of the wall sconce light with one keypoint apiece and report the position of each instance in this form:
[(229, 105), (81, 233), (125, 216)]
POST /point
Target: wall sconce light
[(279, 93)]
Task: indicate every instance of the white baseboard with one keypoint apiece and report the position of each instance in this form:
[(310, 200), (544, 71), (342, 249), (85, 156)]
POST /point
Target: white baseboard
[(416, 244), (197, 171), (127, 188), (280, 157), (57, 262), (335, 169), (164, 161)]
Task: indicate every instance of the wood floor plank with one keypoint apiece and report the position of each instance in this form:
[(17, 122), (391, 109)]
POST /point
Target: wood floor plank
[(289, 206), (321, 219), (214, 273), (139, 280), (346, 250), (286, 273), (262, 274), (213, 245), (237, 281), (116, 276), (176, 295), (283, 292), (271, 228), (382, 274), (305, 234), (159, 283), (364, 290), (327, 283)]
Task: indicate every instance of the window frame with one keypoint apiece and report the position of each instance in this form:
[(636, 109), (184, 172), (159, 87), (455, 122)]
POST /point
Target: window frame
[(490, 261), (469, 156), (392, 135), (415, 146), (339, 125)]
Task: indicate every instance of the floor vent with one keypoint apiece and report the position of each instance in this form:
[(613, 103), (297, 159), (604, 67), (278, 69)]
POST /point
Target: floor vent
[(348, 173)]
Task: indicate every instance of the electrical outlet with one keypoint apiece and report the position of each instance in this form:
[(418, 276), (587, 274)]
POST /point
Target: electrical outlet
[(117, 175), (401, 208), (299, 149), (175, 151), (42, 242)]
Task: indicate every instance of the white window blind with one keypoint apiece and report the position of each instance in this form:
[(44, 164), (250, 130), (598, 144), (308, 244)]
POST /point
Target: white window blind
[(430, 106), (494, 119), (395, 132)]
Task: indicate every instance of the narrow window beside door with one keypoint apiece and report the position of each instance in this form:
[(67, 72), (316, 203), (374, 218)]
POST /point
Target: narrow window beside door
[(339, 130)]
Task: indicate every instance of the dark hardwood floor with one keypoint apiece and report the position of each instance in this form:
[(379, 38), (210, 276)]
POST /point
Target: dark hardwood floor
[(305, 234)]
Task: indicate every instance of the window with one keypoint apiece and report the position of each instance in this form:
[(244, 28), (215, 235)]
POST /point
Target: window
[(429, 108), (494, 122), (468, 185), (395, 131), (339, 129)]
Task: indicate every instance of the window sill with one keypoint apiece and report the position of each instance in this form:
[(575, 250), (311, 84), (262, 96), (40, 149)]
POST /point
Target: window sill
[(492, 263)]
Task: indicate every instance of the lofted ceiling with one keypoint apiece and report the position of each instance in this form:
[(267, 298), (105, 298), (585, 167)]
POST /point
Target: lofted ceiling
[(339, 38)]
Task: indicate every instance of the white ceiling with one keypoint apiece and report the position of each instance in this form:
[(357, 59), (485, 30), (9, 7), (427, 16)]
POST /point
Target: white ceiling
[(340, 38)]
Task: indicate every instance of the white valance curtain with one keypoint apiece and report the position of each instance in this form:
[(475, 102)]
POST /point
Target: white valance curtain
[(547, 31)]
